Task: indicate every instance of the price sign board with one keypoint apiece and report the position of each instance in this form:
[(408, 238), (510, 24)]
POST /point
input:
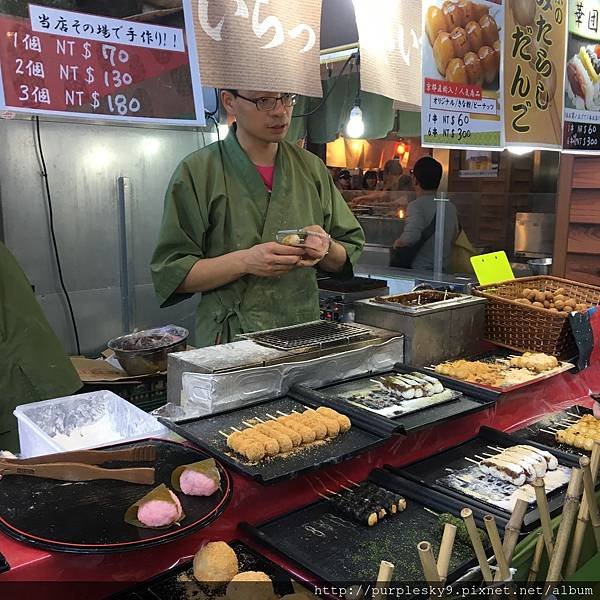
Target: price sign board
[(582, 78), (72, 64), (462, 74)]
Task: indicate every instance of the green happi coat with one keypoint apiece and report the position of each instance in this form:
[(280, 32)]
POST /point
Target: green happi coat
[(33, 364), (217, 203)]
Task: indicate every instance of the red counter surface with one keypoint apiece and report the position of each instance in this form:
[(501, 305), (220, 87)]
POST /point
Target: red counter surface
[(92, 577)]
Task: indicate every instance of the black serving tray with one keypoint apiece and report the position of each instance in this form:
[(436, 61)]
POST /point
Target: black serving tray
[(205, 432), (336, 550), (87, 517), (408, 423), (179, 582), (432, 471), (534, 435)]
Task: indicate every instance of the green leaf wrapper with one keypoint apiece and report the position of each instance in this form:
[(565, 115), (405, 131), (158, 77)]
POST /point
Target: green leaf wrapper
[(159, 493), (207, 467)]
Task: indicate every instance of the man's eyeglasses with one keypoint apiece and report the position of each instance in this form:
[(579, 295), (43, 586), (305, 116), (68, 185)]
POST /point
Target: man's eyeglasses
[(266, 103)]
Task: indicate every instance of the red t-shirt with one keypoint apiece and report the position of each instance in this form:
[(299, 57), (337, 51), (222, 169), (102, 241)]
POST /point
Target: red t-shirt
[(267, 174)]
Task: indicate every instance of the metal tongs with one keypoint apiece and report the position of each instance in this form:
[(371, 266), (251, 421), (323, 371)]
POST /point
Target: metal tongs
[(80, 465)]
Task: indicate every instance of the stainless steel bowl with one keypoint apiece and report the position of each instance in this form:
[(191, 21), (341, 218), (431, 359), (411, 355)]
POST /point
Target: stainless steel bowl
[(540, 266), (145, 352)]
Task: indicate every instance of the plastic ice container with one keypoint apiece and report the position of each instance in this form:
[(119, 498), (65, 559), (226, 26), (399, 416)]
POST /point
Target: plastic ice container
[(82, 421)]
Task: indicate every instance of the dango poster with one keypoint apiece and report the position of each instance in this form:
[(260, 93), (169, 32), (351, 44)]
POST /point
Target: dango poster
[(534, 57), (462, 73), (582, 78)]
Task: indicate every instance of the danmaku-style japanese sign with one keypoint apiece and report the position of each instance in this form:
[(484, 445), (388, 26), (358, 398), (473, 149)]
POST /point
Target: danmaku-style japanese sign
[(533, 72), (462, 74), (582, 79), (73, 64), (261, 45), (390, 49)]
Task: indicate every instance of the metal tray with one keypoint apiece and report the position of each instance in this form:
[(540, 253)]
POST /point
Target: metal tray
[(87, 517), (534, 434), (317, 334), (179, 583), (562, 368), (459, 405), (204, 432), (435, 473), (335, 550)]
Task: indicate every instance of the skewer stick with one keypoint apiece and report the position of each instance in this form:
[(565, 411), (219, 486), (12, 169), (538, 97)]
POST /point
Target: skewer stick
[(223, 433), (467, 516), (431, 511), (537, 559), (590, 496), (386, 570), (512, 531), (548, 431), (248, 424), (428, 563), (569, 515), (492, 530), (582, 518), (542, 504), (445, 554), (574, 415), (475, 462)]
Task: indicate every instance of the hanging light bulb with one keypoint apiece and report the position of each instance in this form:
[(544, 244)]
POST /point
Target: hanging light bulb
[(356, 126)]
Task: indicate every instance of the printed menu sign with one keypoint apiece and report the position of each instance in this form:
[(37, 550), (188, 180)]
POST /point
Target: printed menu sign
[(582, 78), (462, 73), (73, 64), (535, 38)]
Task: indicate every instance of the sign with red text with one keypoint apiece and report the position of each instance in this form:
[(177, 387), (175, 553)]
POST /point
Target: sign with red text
[(462, 74), (66, 63)]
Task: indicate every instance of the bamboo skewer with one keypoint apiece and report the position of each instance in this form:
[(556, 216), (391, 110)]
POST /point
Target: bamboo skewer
[(467, 516), (569, 515), (445, 554), (590, 496), (542, 504), (582, 518), (512, 531), (428, 563), (386, 571), (492, 530), (537, 559)]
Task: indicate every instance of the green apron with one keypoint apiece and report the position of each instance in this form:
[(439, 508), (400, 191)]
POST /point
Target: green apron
[(33, 364), (217, 203)]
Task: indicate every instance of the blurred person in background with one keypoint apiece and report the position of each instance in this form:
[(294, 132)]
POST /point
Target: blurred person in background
[(370, 181)]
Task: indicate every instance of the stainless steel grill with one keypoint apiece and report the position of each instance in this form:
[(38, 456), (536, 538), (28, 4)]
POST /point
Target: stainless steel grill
[(317, 334)]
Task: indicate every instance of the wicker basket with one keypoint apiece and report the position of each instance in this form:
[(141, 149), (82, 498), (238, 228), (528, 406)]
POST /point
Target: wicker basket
[(530, 328)]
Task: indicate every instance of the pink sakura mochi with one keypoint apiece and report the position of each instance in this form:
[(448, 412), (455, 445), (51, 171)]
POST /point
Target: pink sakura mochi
[(158, 513), (193, 483)]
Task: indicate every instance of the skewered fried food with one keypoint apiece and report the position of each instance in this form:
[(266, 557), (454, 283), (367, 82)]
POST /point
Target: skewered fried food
[(270, 444), (251, 449), (294, 436), (284, 440), (343, 421), (581, 434), (309, 421), (333, 427), (307, 434), (535, 361)]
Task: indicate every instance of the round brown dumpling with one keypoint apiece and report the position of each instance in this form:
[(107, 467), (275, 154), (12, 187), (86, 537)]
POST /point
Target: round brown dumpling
[(559, 304), (538, 304), (546, 304), (560, 291), (560, 297), (571, 302), (581, 307), (552, 309), (526, 292), (540, 296), (549, 295), (215, 563), (250, 585)]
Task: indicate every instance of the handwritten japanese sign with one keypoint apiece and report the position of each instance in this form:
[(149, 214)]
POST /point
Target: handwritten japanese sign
[(262, 45), (533, 72), (390, 49), (582, 78), (73, 64), (462, 74)]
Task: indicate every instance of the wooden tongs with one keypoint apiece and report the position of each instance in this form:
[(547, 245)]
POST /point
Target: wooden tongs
[(80, 465)]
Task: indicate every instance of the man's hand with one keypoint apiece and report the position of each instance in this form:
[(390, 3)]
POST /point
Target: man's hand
[(271, 259), (315, 247)]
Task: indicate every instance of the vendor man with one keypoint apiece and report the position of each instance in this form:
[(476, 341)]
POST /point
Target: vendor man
[(223, 209)]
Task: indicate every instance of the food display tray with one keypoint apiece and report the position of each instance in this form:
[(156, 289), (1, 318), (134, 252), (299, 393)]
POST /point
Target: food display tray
[(446, 472), (87, 517), (206, 432), (460, 404), (179, 583), (476, 389), (334, 549), (533, 434)]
